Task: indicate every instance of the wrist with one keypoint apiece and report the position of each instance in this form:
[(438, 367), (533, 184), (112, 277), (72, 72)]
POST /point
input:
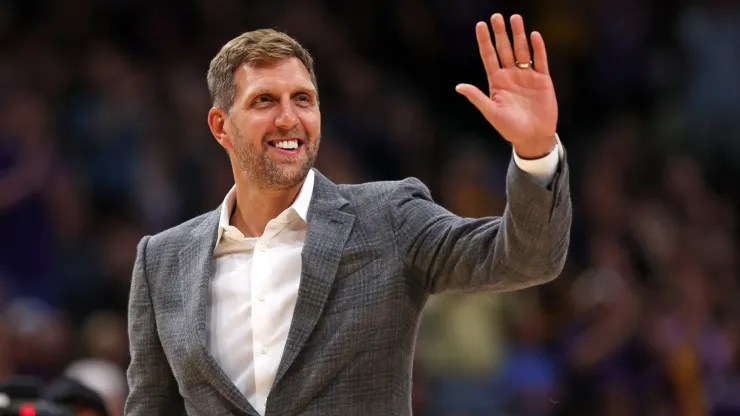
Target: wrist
[(533, 151)]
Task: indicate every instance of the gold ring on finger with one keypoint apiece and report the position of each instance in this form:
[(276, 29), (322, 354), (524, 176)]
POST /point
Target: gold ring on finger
[(524, 65)]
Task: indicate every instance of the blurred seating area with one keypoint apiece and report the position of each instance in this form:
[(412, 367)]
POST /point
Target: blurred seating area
[(103, 139)]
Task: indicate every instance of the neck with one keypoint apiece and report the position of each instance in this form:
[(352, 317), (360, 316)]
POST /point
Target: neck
[(256, 206)]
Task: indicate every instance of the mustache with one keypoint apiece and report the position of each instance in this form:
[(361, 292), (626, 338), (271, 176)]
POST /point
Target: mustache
[(293, 134)]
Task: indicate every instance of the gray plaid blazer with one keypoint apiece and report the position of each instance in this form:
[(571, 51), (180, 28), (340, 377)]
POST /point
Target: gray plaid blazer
[(373, 254)]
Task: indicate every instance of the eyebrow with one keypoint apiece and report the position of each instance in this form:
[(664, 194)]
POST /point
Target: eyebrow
[(267, 91)]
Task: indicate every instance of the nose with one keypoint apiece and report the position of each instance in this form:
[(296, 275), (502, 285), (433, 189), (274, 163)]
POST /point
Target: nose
[(287, 118)]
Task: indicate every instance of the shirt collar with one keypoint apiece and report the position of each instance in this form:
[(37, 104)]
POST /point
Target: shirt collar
[(299, 206)]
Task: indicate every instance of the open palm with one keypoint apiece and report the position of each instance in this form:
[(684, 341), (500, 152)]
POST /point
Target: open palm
[(521, 103)]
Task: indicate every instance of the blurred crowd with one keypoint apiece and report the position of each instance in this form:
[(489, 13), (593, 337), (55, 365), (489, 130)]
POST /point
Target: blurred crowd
[(103, 139)]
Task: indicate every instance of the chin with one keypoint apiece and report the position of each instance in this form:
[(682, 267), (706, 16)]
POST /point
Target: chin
[(288, 177)]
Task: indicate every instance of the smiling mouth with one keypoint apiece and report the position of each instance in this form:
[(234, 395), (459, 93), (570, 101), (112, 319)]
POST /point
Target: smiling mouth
[(286, 146)]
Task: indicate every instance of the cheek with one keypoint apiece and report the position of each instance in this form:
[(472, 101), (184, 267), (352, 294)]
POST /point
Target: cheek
[(251, 130), (312, 123)]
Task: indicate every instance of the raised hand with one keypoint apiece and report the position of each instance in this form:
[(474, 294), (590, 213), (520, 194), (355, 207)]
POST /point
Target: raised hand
[(521, 103)]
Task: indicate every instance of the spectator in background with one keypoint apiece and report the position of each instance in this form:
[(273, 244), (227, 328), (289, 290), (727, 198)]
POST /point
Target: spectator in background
[(39, 338), (529, 381), (31, 176), (599, 353), (709, 41), (105, 379), (74, 395)]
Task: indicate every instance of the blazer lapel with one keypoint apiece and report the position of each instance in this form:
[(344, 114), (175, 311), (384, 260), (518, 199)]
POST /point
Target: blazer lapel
[(196, 270), (328, 230)]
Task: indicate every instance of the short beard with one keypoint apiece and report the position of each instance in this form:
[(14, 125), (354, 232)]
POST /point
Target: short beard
[(257, 167)]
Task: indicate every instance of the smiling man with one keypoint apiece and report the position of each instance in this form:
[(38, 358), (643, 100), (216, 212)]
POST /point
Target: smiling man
[(297, 296)]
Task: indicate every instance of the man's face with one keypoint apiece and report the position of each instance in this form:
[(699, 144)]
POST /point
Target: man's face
[(274, 123)]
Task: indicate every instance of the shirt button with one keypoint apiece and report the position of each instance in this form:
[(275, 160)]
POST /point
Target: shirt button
[(261, 297), (263, 247), (263, 350)]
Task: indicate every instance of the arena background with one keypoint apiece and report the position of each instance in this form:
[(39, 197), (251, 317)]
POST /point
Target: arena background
[(103, 139)]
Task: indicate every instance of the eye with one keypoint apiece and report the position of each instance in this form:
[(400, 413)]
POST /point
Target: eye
[(304, 98), (262, 99)]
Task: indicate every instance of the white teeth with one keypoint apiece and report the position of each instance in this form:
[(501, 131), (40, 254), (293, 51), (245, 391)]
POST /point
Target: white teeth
[(287, 144)]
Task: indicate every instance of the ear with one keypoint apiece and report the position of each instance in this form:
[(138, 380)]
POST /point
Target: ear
[(217, 119)]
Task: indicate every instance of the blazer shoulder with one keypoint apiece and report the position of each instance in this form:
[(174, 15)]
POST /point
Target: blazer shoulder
[(174, 237), (372, 193)]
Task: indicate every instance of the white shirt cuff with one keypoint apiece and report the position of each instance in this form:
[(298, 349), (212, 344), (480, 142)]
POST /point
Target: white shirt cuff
[(544, 168)]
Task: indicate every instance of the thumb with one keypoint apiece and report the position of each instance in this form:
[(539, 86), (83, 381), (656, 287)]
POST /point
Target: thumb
[(478, 99)]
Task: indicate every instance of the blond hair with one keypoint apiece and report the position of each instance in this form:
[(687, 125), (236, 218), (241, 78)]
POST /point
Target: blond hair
[(257, 46)]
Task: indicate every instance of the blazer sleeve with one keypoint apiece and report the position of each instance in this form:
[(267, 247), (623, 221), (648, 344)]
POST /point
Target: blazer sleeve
[(526, 246), (152, 386)]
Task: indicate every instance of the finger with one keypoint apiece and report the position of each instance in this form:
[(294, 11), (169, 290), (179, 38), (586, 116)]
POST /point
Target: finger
[(478, 99), (503, 46), (521, 44), (487, 52), (540, 54)]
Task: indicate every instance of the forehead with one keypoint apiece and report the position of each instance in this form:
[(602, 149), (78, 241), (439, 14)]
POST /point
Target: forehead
[(284, 74)]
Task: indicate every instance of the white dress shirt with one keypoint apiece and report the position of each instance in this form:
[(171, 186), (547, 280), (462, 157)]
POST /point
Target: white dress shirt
[(253, 295), (255, 288)]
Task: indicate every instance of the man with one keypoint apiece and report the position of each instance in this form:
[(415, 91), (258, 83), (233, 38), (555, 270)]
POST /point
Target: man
[(301, 297)]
